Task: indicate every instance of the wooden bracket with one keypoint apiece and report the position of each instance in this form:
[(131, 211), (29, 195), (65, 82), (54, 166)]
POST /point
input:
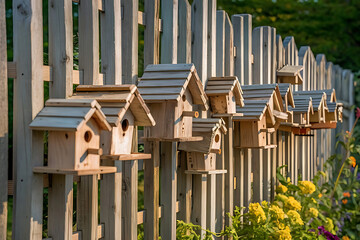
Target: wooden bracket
[(194, 114)]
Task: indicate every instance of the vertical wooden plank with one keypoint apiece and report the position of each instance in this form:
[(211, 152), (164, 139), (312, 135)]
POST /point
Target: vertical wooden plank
[(87, 195), (152, 32), (60, 211), (28, 94), (267, 55), (247, 176), (168, 191), (130, 38), (3, 125), (184, 40), (151, 191), (89, 41), (239, 38), (238, 168), (170, 31), (247, 18), (184, 190), (220, 190), (111, 63), (229, 166), (110, 201), (258, 174), (198, 216), (211, 202), (211, 49), (229, 47), (220, 43), (199, 29), (257, 51), (130, 199)]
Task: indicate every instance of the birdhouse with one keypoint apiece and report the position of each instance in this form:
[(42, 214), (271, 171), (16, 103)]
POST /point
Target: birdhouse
[(288, 99), (317, 119), (171, 91), (301, 115), (256, 126), (74, 127), (290, 74), (224, 94), (201, 155), (269, 93), (124, 109)]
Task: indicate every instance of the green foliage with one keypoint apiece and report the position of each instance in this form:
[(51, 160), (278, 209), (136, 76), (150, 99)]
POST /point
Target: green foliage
[(189, 231)]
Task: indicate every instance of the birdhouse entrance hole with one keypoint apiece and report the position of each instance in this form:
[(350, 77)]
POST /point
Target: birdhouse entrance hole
[(88, 136), (125, 125), (217, 138)]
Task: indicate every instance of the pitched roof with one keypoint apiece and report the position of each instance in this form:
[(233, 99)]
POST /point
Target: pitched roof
[(330, 94), (115, 100), (285, 91), (255, 110), (302, 105), (208, 125), (290, 74), (168, 82), (69, 115), (317, 97), (223, 86)]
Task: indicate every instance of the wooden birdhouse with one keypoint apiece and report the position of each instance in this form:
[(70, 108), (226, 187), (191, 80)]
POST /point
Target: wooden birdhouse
[(317, 119), (74, 127), (301, 116), (256, 126), (124, 109), (288, 99), (171, 91), (224, 94), (201, 155), (269, 93), (290, 74)]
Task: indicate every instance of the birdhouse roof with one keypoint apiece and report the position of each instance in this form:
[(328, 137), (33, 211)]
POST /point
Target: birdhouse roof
[(330, 94), (291, 71), (317, 97), (302, 105), (115, 100), (206, 128), (69, 115), (286, 92), (223, 86), (332, 106), (168, 82), (255, 110)]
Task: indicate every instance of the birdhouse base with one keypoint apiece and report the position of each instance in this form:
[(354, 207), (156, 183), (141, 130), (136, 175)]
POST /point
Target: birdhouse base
[(80, 172), (261, 147), (208, 172), (183, 139), (126, 157), (325, 125), (220, 115)]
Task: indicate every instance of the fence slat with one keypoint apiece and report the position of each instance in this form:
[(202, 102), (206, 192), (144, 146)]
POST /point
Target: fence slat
[(111, 63), (198, 215), (170, 31), (184, 40), (152, 32), (239, 38), (151, 191), (229, 166), (28, 94), (247, 49), (220, 190), (61, 44), (3, 125), (229, 47)]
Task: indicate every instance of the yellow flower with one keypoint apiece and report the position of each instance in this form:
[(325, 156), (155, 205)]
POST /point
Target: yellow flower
[(288, 180), (257, 212), (281, 189), (320, 195), (276, 212), (314, 201), (345, 238), (282, 197), (295, 217), (314, 212), (353, 161), (307, 187), (283, 234), (329, 225), (292, 204), (264, 203)]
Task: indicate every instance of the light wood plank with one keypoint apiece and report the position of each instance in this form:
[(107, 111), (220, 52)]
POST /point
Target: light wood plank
[(211, 202), (198, 215), (211, 49), (220, 190), (239, 38), (3, 125), (111, 63), (229, 165), (248, 57), (257, 51), (169, 37), (130, 39), (168, 189), (184, 40), (151, 191), (152, 32), (28, 94), (184, 192), (229, 47)]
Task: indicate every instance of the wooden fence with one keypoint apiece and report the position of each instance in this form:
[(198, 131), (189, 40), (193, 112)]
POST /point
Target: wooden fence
[(218, 45)]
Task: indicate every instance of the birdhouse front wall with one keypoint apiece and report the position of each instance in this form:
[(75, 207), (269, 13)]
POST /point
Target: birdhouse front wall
[(201, 161), (216, 142), (183, 124), (87, 138), (252, 133), (61, 149), (223, 103), (119, 139)]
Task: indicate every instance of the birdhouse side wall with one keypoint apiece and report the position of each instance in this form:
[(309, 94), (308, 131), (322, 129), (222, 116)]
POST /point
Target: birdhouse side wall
[(330, 116), (122, 135), (201, 161), (88, 137), (61, 149), (315, 118), (183, 124), (198, 146), (251, 134), (215, 143), (163, 114)]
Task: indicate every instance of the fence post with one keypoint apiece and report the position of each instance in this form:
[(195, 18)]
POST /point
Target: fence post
[(3, 124), (60, 200), (28, 94)]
